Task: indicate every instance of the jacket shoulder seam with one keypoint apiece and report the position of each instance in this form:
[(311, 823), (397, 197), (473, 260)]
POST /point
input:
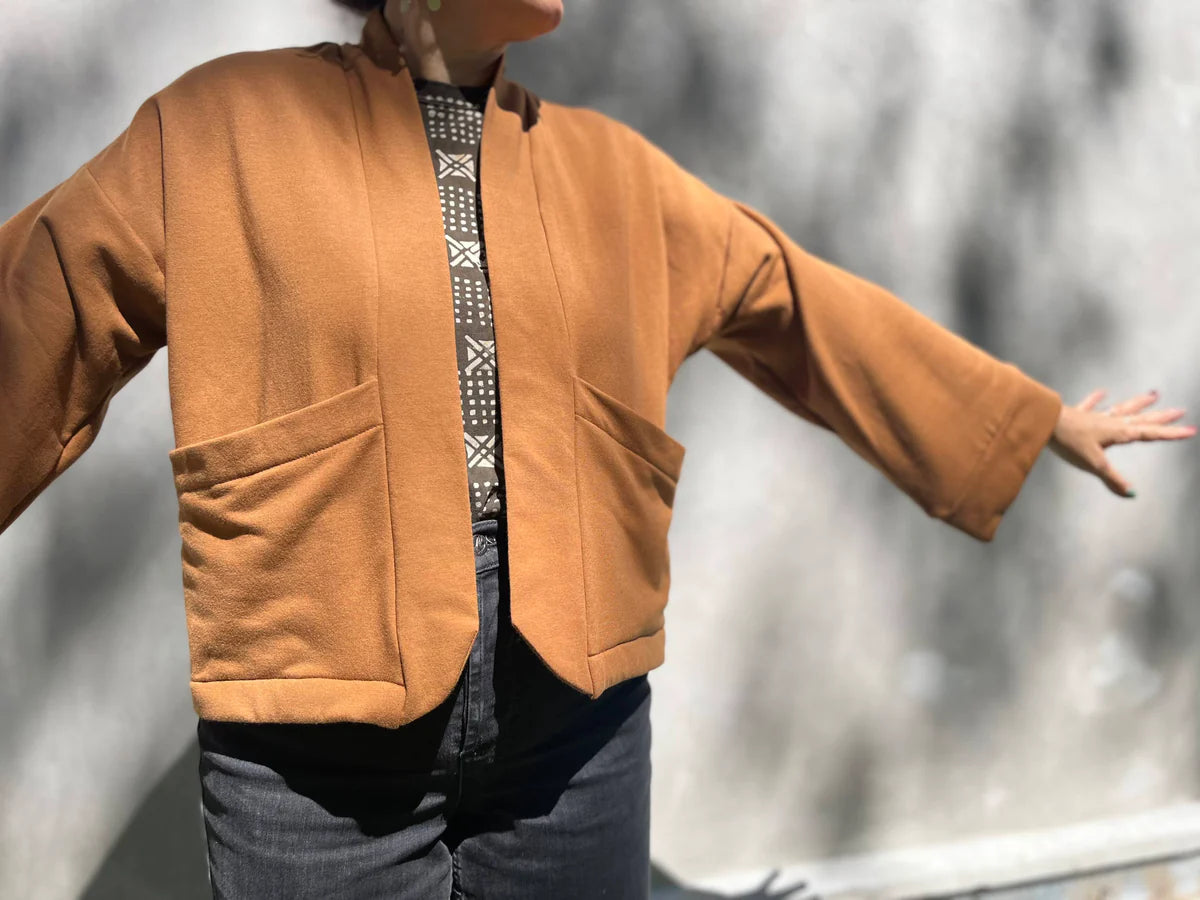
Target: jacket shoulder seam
[(107, 199)]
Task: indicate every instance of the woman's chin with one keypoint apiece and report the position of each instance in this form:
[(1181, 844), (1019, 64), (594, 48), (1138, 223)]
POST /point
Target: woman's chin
[(527, 19)]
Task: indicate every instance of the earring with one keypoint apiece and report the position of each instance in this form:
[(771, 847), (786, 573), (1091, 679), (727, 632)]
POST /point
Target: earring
[(434, 5)]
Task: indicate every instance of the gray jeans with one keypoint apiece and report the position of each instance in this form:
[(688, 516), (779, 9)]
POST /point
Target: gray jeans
[(517, 786)]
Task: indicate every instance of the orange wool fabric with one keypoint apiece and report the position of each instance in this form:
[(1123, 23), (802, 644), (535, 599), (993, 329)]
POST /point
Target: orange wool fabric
[(273, 217)]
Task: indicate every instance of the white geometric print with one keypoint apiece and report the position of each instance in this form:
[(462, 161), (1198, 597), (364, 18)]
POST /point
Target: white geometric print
[(480, 355), (453, 117), (479, 449), (461, 165), (463, 254)]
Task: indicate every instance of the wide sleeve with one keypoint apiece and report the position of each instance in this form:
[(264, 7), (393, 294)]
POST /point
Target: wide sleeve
[(82, 307), (953, 427)]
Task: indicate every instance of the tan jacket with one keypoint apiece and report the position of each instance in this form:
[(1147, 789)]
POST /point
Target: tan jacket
[(273, 218)]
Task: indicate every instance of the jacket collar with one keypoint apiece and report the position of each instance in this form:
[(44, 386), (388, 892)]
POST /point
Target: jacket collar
[(382, 46)]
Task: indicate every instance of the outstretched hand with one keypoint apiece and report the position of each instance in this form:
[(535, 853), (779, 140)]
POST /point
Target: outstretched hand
[(1083, 433)]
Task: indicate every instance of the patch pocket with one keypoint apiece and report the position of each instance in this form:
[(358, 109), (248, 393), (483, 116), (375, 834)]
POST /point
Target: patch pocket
[(627, 471), (287, 549)]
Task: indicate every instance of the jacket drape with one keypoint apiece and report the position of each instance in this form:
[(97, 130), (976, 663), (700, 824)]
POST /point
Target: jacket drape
[(272, 217)]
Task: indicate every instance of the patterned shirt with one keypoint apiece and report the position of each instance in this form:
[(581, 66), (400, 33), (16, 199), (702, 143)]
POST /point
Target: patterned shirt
[(453, 116)]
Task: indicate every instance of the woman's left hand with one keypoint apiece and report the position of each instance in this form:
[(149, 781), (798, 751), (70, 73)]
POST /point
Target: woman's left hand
[(1082, 433)]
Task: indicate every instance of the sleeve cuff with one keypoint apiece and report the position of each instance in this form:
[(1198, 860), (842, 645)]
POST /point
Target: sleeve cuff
[(1006, 462)]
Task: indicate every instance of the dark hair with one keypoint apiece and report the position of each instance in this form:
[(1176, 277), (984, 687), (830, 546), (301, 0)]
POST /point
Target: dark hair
[(361, 6)]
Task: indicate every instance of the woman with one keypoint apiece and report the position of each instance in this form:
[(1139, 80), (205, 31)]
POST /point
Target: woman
[(382, 715)]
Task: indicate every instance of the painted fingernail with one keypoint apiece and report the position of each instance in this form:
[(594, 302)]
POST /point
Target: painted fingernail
[(1131, 494)]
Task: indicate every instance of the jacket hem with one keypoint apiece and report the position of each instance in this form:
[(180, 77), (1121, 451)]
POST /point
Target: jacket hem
[(300, 701), (626, 660)]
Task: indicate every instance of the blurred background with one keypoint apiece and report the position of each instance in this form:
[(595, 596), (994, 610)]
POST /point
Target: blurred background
[(858, 700)]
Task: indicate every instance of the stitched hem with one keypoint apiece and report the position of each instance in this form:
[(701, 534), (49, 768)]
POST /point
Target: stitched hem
[(300, 701), (628, 659), (456, 890)]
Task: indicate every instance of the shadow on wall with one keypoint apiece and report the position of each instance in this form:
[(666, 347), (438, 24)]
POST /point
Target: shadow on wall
[(161, 852), (969, 624), (78, 571), (664, 888)]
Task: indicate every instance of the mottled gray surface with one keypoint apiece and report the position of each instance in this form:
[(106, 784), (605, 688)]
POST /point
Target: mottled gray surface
[(844, 675)]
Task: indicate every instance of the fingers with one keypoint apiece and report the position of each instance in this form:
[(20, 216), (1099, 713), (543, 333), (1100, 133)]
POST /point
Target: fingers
[(1113, 479), (1160, 416), (1133, 404), (1130, 424), (1127, 432), (1128, 407), (1124, 423), (1161, 432)]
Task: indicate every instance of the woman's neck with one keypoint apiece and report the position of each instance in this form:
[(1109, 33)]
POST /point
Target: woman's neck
[(431, 45)]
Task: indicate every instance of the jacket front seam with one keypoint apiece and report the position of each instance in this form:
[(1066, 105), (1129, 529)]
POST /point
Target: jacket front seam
[(587, 627), (382, 418), (550, 253), (574, 402)]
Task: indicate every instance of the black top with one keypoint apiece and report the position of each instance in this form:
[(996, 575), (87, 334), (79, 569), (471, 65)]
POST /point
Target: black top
[(476, 93)]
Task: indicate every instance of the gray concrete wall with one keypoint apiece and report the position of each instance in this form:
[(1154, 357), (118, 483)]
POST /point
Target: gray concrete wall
[(845, 677)]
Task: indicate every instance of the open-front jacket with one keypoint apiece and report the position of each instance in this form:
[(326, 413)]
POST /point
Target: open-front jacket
[(272, 217)]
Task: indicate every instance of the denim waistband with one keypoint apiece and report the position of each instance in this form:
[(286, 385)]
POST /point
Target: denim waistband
[(488, 535)]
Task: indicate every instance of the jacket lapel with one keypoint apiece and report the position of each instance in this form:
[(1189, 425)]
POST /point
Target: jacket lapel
[(436, 598)]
